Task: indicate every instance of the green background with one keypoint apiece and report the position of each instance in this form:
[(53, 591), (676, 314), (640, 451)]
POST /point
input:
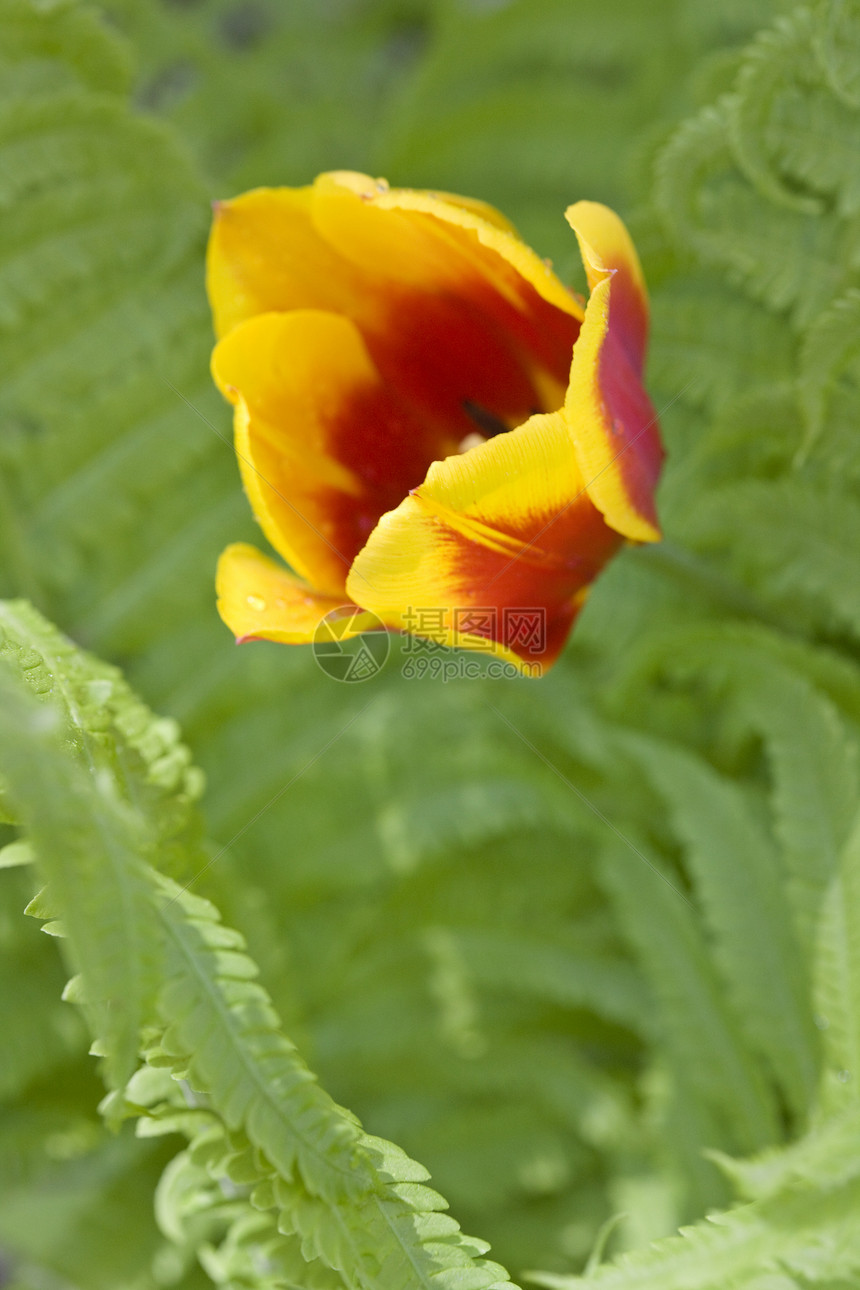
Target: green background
[(561, 941)]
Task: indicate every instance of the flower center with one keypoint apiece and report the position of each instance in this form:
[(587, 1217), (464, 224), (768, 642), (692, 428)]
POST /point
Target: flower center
[(488, 426), (487, 422)]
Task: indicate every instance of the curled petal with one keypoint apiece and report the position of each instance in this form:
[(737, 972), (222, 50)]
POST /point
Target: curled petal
[(607, 249), (613, 421), (502, 532), (430, 237), (510, 321)]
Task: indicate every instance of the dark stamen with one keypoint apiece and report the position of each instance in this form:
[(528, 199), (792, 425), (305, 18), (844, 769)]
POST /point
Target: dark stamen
[(487, 423)]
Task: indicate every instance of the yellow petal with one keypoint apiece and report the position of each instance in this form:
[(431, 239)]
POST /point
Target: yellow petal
[(265, 254), (324, 447), (259, 600)]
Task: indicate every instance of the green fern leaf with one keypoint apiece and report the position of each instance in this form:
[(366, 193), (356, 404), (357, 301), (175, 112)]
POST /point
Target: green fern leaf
[(815, 779), (544, 970), (778, 690), (837, 44), (796, 545), (65, 47), (804, 1233), (357, 1203), (837, 976), (774, 69), (714, 344), (824, 1158), (791, 135), (340, 1191), (831, 345), (101, 222), (92, 862), (701, 1031), (736, 874), (111, 730), (791, 260), (41, 1036), (800, 1230)]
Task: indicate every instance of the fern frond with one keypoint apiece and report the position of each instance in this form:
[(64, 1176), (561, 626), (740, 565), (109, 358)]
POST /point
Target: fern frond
[(112, 730), (736, 874), (542, 969), (774, 68), (805, 1232), (804, 703), (70, 47), (837, 45), (698, 153), (40, 1034), (815, 778), (701, 1031), (824, 1157), (153, 955), (357, 1203), (101, 223), (92, 861), (796, 546), (801, 1226), (731, 180), (837, 976), (793, 137), (715, 345), (830, 346), (725, 649)]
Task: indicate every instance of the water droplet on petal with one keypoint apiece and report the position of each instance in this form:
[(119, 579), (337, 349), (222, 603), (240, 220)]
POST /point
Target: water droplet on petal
[(256, 602)]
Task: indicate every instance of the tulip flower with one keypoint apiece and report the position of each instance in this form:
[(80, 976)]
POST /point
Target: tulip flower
[(430, 426)]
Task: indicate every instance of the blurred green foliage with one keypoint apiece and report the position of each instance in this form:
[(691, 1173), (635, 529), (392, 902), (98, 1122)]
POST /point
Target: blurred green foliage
[(577, 946)]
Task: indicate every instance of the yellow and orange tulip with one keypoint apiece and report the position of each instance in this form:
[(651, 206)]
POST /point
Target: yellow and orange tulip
[(425, 416)]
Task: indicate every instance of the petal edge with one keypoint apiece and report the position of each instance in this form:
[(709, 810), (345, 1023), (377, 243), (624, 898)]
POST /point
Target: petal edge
[(612, 420)]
